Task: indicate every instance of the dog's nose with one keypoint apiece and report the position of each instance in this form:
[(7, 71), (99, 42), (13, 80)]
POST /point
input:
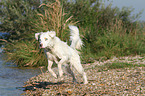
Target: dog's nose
[(41, 45)]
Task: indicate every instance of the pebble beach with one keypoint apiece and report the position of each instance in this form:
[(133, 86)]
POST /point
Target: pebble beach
[(129, 81)]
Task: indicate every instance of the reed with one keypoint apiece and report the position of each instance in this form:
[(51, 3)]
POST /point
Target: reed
[(115, 40), (105, 31), (27, 52), (53, 18)]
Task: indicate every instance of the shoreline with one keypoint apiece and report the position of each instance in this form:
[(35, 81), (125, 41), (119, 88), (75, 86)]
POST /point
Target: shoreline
[(119, 81)]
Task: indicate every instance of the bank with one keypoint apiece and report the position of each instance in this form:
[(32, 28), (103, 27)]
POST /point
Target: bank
[(129, 80)]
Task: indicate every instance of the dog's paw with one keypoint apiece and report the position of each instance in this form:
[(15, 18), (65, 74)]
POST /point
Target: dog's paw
[(86, 82)]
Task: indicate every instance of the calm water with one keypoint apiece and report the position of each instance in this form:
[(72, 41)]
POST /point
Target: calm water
[(12, 78)]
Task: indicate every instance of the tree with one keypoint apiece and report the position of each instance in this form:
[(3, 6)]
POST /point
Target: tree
[(15, 17)]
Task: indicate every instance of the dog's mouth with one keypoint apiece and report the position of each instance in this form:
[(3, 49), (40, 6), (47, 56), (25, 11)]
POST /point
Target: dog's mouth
[(41, 46)]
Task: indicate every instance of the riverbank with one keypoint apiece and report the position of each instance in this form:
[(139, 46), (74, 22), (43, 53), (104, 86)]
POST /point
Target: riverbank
[(108, 81), (12, 78)]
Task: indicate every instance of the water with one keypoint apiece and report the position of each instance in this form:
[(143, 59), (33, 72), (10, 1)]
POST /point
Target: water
[(12, 78)]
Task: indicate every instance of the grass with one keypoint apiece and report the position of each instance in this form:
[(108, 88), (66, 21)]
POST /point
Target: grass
[(118, 65), (53, 18), (26, 54), (113, 41), (105, 31)]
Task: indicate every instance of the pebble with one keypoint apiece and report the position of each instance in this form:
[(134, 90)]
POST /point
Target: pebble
[(123, 82)]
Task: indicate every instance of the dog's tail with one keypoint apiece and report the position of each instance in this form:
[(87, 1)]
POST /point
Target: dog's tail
[(76, 42)]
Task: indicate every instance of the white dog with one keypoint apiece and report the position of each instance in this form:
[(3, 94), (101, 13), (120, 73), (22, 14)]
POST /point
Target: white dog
[(56, 50)]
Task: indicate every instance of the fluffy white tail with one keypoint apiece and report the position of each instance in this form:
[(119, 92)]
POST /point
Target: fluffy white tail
[(76, 42)]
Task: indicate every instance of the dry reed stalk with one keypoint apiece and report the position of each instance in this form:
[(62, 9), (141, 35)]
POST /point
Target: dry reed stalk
[(54, 18)]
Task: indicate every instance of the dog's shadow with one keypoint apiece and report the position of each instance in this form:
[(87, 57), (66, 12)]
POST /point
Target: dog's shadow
[(43, 85)]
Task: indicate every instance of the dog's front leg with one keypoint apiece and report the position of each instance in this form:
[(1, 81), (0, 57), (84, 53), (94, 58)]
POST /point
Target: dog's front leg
[(49, 68), (60, 66)]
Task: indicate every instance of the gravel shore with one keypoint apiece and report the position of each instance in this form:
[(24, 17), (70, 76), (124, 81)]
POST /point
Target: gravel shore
[(121, 81)]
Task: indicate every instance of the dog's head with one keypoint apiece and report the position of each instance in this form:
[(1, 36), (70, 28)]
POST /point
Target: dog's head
[(45, 38)]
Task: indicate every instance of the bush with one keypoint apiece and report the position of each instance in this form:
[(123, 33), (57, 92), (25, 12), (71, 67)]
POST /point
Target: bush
[(15, 18), (26, 53), (53, 17), (105, 31), (114, 41), (50, 16)]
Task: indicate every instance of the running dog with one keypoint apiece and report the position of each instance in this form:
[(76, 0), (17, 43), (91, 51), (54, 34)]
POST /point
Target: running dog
[(59, 52)]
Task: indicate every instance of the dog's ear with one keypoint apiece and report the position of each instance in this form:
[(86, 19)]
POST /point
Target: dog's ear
[(52, 34), (36, 35)]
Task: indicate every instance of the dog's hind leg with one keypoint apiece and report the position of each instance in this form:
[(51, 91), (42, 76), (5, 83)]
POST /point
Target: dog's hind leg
[(80, 69), (50, 63), (71, 73)]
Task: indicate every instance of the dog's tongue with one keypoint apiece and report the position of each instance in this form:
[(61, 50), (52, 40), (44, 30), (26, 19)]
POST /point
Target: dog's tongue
[(41, 47)]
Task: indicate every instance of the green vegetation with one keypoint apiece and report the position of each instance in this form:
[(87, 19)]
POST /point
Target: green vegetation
[(26, 53), (118, 65), (15, 17), (105, 31)]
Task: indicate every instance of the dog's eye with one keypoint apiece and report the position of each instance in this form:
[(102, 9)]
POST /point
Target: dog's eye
[(45, 39)]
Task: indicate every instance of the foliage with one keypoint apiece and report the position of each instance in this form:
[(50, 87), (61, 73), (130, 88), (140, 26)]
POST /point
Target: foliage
[(105, 31), (53, 17), (115, 41), (26, 54), (15, 17), (118, 65)]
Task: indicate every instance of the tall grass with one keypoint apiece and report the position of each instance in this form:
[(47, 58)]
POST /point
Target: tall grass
[(54, 18), (105, 31), (114, 40), (26, 52), (118, 65)]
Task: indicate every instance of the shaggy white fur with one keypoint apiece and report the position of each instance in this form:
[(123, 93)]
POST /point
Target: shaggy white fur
[(76, 42), (56, 49)]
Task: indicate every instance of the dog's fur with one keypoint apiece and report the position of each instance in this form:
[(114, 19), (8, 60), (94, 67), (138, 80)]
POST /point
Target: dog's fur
[(56, 49)]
